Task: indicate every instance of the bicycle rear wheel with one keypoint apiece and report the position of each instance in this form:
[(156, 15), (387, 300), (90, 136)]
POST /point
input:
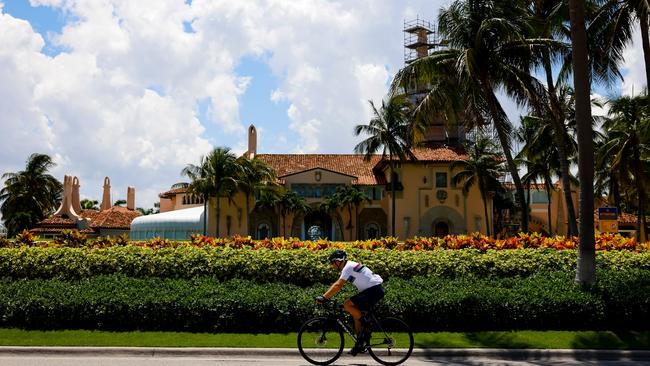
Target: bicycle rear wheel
[(320, 341), (391, 341)]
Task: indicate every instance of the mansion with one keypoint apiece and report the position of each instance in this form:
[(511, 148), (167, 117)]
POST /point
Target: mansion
[(427, 201)]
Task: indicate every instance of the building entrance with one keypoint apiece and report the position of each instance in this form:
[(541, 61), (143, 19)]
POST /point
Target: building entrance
[(318, 225)]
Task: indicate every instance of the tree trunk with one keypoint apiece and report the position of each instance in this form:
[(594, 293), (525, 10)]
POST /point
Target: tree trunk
[(218, 214), (645, 42), (392, 193), (350, 213), (550, 224), (485, 210), (504, 140), (585, 272), (248, 217), (205, 214), (641, 224), (557, 120)]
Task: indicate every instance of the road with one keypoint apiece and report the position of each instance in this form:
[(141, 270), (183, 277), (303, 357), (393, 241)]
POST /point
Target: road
[(283, 360)]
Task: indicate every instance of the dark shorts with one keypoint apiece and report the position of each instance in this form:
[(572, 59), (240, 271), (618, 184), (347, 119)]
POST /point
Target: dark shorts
[(365, 299)]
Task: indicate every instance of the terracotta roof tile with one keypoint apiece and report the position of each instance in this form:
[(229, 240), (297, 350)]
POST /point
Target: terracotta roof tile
[(172, 192), (440, 153), (115, 217), (349, 164)]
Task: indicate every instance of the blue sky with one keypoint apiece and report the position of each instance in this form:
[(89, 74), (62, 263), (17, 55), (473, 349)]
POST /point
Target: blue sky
[(136, 90)]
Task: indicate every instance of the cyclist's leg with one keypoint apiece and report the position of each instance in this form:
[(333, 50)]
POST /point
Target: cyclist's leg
[(351, 308)]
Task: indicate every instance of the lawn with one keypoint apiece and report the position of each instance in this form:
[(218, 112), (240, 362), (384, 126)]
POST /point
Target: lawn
[(515, 339)]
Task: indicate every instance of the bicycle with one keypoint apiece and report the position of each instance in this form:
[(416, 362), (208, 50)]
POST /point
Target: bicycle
[(389, 340)]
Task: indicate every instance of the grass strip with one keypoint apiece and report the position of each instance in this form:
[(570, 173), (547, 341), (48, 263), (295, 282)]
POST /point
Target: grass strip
[(639, 340)]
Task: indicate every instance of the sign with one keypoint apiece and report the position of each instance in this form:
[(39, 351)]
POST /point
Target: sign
[(608, 219)]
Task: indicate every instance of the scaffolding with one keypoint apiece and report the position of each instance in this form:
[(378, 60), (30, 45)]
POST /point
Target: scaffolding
[(420, 39)]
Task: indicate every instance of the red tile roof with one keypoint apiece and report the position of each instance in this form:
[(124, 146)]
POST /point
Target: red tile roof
[(348, 164), (172, 192), (115, 217)]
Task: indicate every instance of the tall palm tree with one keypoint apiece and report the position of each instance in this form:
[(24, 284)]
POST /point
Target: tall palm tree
[(391, 132), (269, 198), (483, 167), (223, 172), (586, 269), (255, 174), (30, 195), (627, 139), (540, 169), (489, 49), (550, 18)]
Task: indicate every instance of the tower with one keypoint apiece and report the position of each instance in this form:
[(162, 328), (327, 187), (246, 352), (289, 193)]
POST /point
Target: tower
[(420, 40)]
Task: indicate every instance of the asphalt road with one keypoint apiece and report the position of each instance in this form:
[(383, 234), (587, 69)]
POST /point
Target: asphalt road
[(284, 360)]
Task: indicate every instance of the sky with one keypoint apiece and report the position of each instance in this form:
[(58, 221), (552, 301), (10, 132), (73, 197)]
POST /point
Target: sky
[(136, 90)]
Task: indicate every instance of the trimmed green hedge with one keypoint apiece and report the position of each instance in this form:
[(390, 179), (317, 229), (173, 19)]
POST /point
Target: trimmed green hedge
[(300, 266), (621, 300)]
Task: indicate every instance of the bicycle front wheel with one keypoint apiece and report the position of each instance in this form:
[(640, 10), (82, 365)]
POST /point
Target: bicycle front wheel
[(391, 341), (320, 341)]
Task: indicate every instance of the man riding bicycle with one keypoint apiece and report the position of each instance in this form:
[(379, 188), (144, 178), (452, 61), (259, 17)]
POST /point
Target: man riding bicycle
[(367, 282)]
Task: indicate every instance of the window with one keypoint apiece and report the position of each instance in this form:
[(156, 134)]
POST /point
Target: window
[(441, 180), (538, 197), (314, 190), (372, 192), (372, 231)]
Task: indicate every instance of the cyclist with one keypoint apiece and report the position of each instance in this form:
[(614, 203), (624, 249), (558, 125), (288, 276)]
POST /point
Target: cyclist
[(367, 282)]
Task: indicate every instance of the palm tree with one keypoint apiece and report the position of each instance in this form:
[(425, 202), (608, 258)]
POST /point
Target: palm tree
[(550, 16), (351, 197), (223, 172), (255, 174), (540, 169), (390, 131), (119, 202), (291, 203), (482, 167), (586, 269), (200, 185), (618, 19), (30, 195), (627, 140), (489, 49), (88, 204)]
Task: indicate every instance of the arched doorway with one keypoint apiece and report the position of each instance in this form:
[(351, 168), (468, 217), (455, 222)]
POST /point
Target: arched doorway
[(318, 225), (440, 229)]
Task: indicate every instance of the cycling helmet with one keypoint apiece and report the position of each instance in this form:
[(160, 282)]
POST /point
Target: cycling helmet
[(338, 255)]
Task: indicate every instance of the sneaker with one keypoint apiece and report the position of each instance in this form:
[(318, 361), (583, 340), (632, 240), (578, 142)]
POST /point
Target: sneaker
[(356, 350)]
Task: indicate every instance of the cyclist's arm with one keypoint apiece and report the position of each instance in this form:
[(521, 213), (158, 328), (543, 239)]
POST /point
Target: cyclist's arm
[(335, 288)]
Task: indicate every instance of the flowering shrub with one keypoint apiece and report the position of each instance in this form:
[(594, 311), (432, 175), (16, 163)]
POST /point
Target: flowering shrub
[(71, 238), (26, 238)]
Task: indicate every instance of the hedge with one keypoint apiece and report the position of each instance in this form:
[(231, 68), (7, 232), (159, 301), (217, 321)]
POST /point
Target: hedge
[(621, 300), (300, 266)]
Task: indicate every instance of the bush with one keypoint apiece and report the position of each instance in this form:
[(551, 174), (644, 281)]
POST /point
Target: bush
[(297, 266), (551, 301)]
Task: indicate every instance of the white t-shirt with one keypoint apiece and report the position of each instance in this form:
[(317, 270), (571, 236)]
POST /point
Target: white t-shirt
[(360, 275)]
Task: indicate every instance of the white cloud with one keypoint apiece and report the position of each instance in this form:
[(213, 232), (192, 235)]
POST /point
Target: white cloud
[(121, 99)]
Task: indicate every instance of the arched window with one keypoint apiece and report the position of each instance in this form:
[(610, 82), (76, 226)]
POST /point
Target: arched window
[(372, 231)]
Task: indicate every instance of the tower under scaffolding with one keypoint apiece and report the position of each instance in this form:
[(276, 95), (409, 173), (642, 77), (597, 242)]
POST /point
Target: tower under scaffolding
[(420, 39)]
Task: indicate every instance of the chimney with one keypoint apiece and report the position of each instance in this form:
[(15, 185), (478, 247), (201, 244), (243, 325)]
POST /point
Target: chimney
[(130, 198), (252, 142), (76, 203), (66, 208), (106, 197)]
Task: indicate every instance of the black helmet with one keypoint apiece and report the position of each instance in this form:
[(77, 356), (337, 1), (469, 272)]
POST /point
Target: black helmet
[(338, 255)]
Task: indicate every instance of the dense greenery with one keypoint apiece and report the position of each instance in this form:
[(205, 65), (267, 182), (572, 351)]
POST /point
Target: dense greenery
[(29, 195), (621, 300), (298, 266)]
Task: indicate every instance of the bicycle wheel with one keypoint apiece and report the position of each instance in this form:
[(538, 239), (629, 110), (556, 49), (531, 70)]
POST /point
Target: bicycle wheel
[(391, 341), (320, 341)]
